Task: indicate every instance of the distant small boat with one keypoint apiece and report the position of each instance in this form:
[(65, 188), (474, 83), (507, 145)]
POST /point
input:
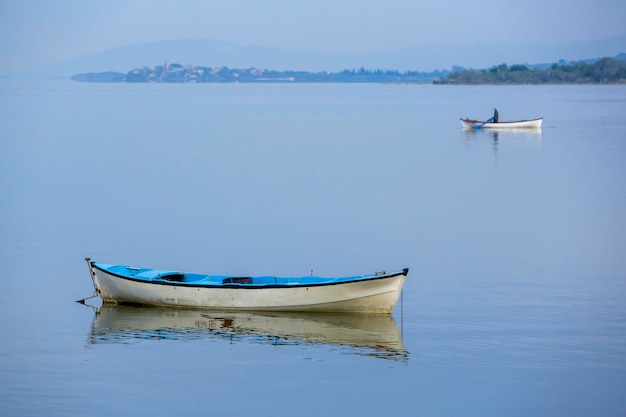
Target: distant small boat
[(375, 293), (517, 124)]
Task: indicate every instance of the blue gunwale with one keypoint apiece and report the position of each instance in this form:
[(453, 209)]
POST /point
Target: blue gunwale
[(192, 280)]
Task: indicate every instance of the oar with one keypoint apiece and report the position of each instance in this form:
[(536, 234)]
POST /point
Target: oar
[(482, 124)]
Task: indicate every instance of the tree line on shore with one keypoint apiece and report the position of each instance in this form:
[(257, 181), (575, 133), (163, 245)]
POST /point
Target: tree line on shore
[(602, 71), (176, 73)]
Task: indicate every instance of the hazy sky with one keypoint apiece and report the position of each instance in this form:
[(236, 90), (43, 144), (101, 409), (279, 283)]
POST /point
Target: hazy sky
[(38, 32)]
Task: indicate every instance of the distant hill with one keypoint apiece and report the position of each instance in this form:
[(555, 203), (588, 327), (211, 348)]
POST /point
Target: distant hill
[(425, 58)]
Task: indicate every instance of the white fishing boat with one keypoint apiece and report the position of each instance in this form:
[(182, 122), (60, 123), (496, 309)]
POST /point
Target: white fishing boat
[(488, 124), (374, 293)]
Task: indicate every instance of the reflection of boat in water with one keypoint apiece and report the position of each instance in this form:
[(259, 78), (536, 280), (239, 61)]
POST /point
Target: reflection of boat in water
[(362, 334), (508, 134)]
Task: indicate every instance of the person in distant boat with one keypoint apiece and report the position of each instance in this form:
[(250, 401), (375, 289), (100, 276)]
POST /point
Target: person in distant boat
[(495, 115)]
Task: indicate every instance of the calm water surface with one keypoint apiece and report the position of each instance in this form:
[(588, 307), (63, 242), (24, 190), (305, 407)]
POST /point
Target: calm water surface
[(515, 302)]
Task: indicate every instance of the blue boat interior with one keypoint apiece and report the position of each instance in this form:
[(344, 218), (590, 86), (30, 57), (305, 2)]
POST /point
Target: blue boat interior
[(158, 275)]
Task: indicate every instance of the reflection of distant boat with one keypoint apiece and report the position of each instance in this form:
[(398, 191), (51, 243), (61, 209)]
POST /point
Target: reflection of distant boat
[(517, 124), (509, 134), (363, 334), (375, 293)]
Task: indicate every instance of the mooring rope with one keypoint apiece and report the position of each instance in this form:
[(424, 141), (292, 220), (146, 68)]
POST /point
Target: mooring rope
[(93, 281), (82, 301)]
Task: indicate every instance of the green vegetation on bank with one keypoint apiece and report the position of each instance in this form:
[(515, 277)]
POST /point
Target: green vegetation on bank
[(599, 71), (602, 71)]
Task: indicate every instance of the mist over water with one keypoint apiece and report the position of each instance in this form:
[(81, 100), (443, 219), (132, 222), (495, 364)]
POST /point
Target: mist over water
[(514, 304)]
